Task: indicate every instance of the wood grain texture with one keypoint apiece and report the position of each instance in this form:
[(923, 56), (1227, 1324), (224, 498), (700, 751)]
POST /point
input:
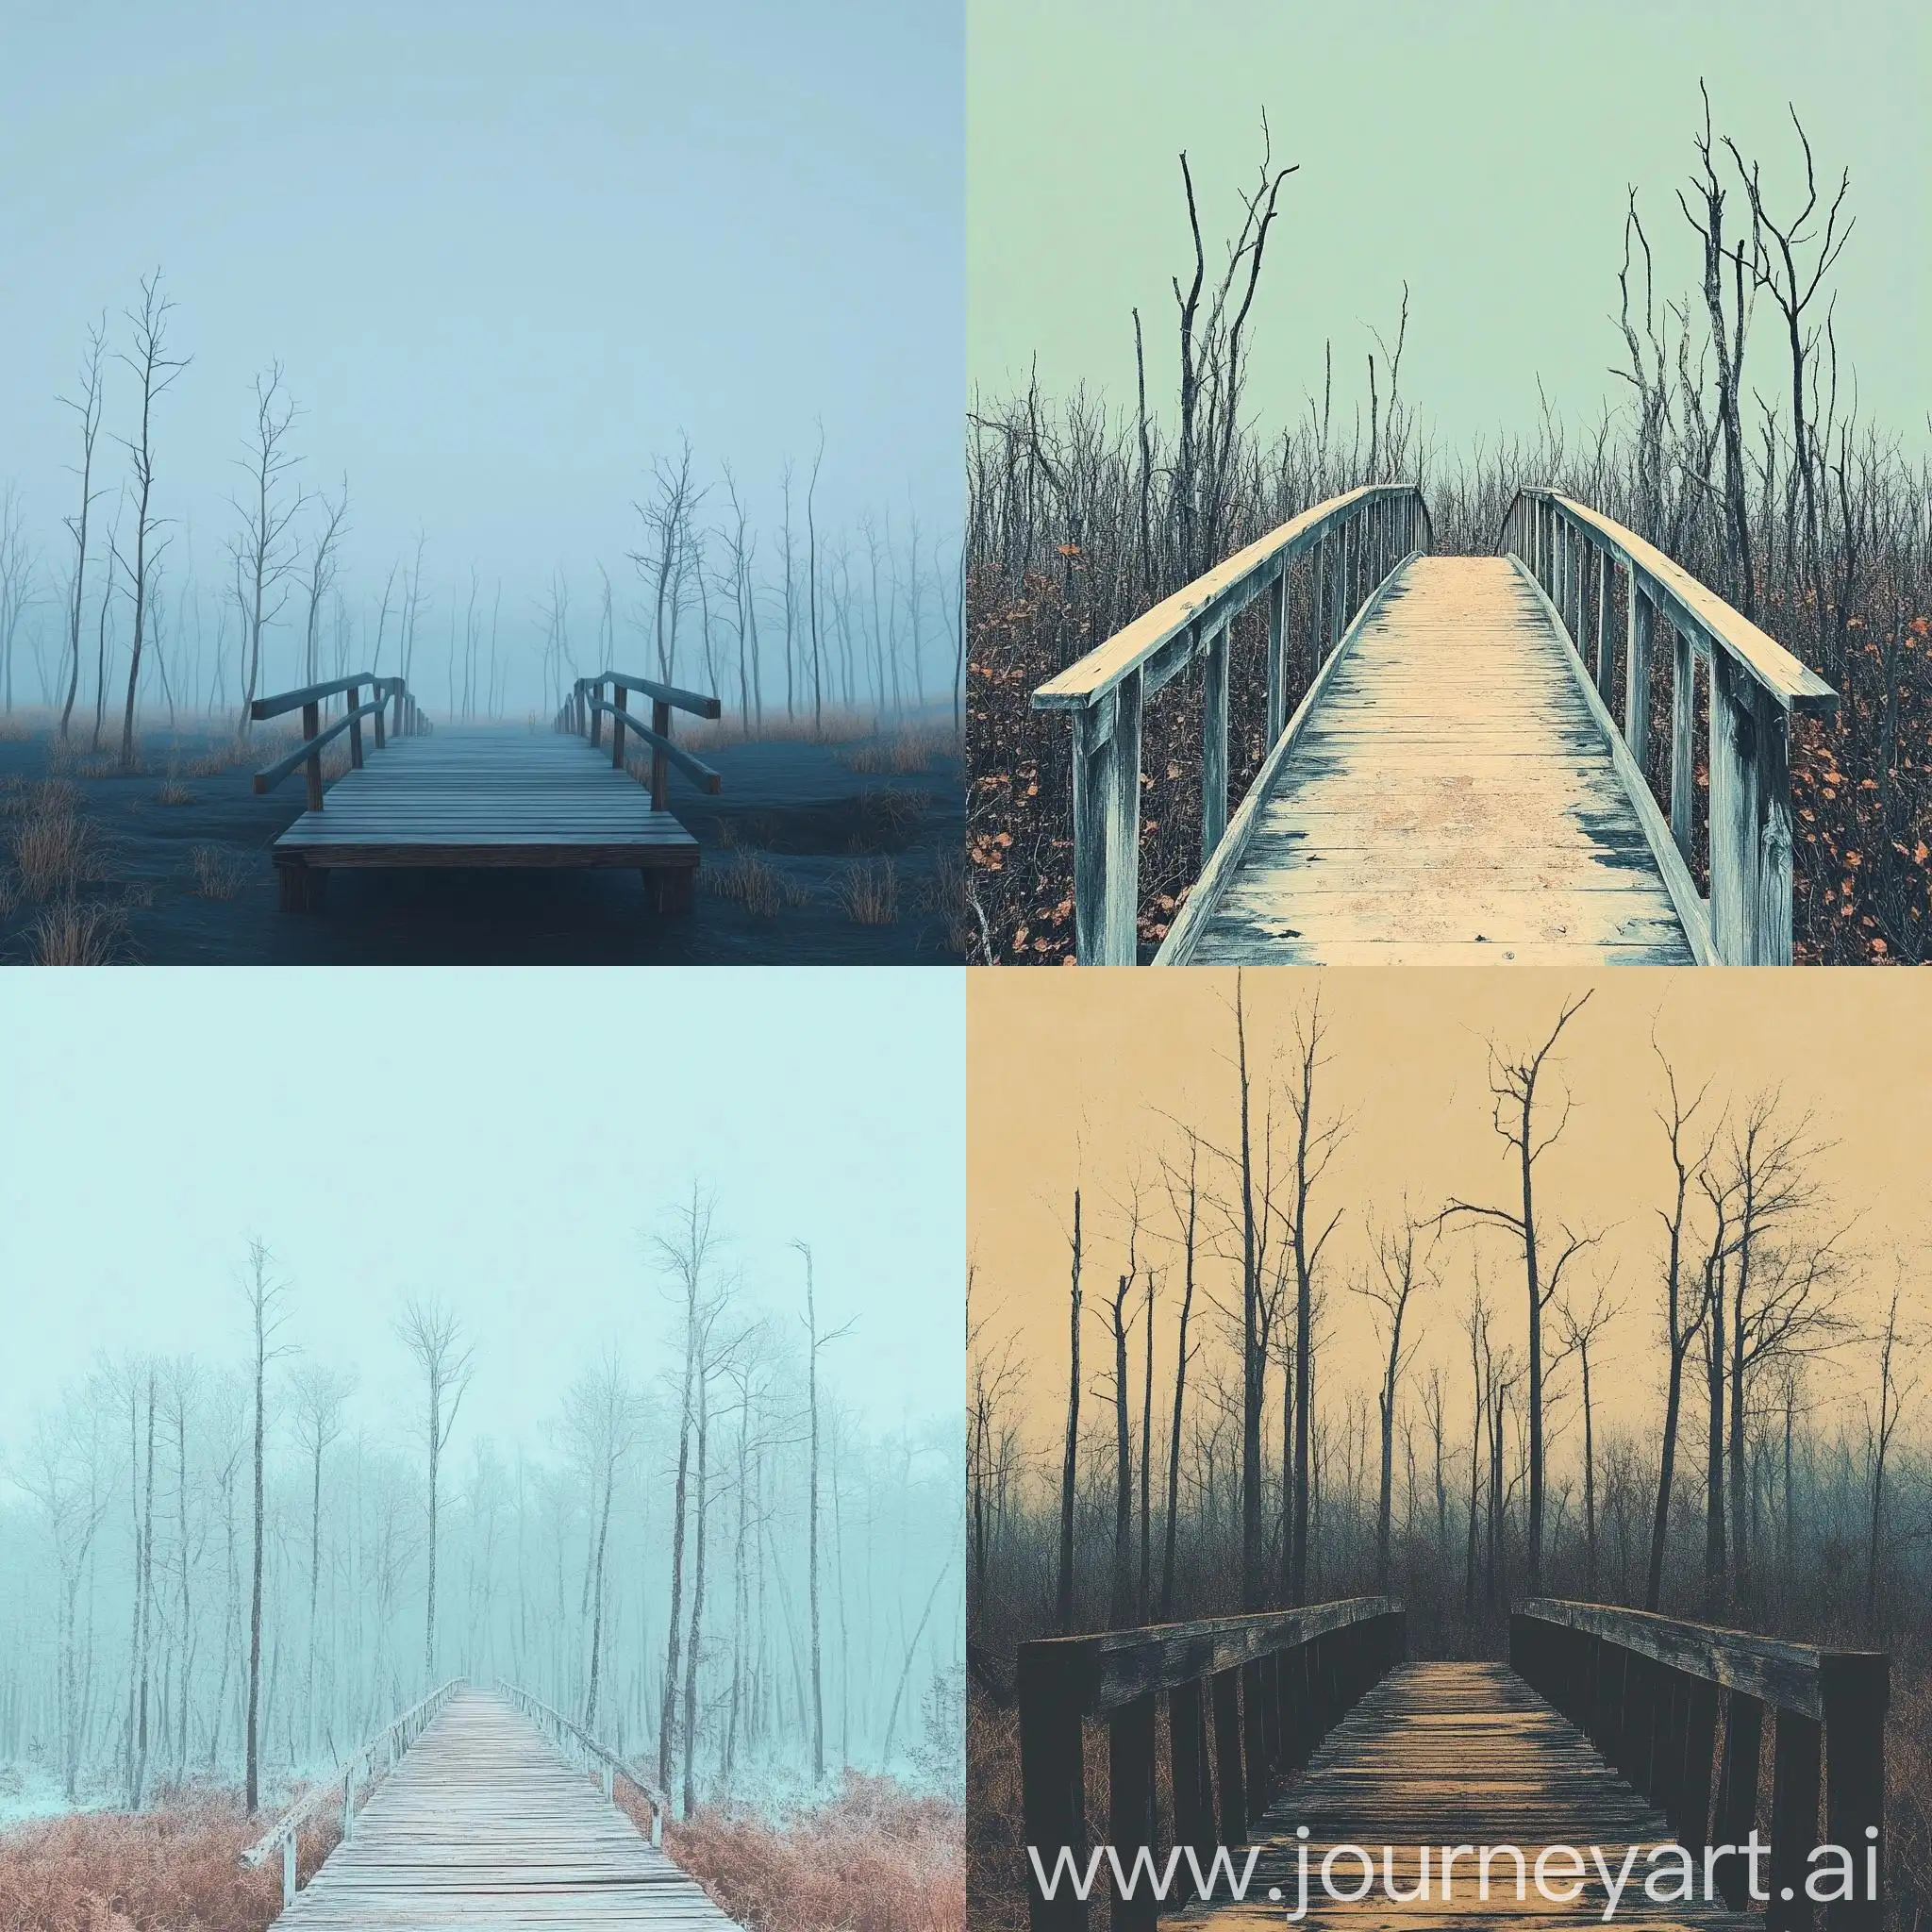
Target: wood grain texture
[(1450, 800), (1453, 1754), (483, 1823), (488, 798)]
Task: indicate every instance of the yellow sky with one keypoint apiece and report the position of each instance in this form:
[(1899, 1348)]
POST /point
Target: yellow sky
[(1075, 1076)]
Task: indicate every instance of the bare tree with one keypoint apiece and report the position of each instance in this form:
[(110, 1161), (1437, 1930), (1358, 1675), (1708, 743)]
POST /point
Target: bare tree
[(16, 585), (1513, 1084), (815, 1342), (320, 1394), (157, 371), (1399, 1273), (433, 1336), (323, 560), (1070, 1466), (262, 551), (88, 408), (265, 1297)]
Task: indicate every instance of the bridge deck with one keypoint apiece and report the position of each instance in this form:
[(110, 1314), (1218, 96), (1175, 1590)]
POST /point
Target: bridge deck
[(1455, 1754), (1449, 800), (488, 797), (483, 1823)]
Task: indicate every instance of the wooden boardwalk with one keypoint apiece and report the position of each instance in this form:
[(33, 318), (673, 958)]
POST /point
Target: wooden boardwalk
[(1450, 799), (1455, 1754), (482, 1823), (482, 798)]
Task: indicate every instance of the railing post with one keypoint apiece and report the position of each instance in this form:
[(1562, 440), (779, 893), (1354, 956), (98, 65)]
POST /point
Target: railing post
[(1683, 740), (1213, 741), (1254, 1739), (1278, 655), (287, 1871), (349, 1804), (1640, 633), (1331, 588), (621, 698), (1794, 1821), (1856, 1692), (381, 704), (1053, 1785), (1130, 1805), (355, 729), (610, 1784), (1750, 820), (1231, 1786), (660, 765), (596, 692), (1737, 1785), (657, 1824), (1603, 653), (1106, 827), (311, 724), (1193, 1786)]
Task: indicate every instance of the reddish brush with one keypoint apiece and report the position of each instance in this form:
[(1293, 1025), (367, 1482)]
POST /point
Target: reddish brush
[(175, 1871), (876, 1860)]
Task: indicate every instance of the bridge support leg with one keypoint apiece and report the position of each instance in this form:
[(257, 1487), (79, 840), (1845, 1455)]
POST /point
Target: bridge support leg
[(300, 886), (1213, 743), (1106, 827), (671, 890)]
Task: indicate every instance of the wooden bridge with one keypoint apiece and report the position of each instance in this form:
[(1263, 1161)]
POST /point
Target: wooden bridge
[(1467, 778), (483, 797), (1606, 1728), (486, 1815)]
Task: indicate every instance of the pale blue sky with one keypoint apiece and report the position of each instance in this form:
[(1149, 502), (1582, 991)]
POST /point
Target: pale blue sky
[(500, 1139), (507, 252)]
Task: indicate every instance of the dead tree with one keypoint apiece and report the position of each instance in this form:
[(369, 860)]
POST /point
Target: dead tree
[(1184, 1199), (88, 408), (320, 1394), (262, 551), (265, 1296), (815, 1342), (434, 1337), (1580, 1327), (324, 559), (1513, 1086), (1070, 1466), (1399, 1274), (155, 371)]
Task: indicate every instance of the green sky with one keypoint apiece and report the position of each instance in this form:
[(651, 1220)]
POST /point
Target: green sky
[(1480, 150)]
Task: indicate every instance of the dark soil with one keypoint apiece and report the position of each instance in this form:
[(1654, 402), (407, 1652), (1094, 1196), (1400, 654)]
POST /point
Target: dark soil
[(801, 811)]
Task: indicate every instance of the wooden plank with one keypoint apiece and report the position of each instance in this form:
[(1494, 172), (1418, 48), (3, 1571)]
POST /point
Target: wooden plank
[(483, 1823), (1447, 786), (1452, 1754)]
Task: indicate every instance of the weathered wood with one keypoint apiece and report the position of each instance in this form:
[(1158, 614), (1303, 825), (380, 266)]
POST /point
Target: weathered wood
[(1793, 1820), (1230, 1775), (1053, 1780), (1278, 656), (1750, 820), (1131, 1802), (1856, 1690), (1737, 1796), (697, 702), (1445, 792), (1213, 743), (483, 1822), (1639, 623), (662, 750), (282, 702), (1683, 741), (1107, 826), (309, 752)]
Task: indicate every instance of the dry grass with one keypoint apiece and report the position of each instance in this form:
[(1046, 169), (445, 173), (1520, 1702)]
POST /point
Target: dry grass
[(869, 890), (218, 874), (52, 842), (875, 1860), (178, 1870), (174, 792), (916, 748), (949, 893), (71, 934), (894, 814), (758, 885)]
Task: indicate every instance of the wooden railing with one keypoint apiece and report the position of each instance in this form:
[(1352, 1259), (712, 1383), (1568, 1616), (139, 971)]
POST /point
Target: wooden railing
[(1756, 685), (577, 1742), (380, 1752), (1274, 1685), (1353, 543), (586, 709), (384, 693), (1647, 1692)]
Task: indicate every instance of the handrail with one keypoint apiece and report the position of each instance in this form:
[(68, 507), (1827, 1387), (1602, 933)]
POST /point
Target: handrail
[(613, 1766), (584, 712), (392, 1740), (1645, 1690), (1358, 541), (384, 691), (1275, 1684), (1756, 686)]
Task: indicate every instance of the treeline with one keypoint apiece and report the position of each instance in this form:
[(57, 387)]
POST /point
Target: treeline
[(1735, 443), (116, 616), (1737, 1436), (225, 1572)]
